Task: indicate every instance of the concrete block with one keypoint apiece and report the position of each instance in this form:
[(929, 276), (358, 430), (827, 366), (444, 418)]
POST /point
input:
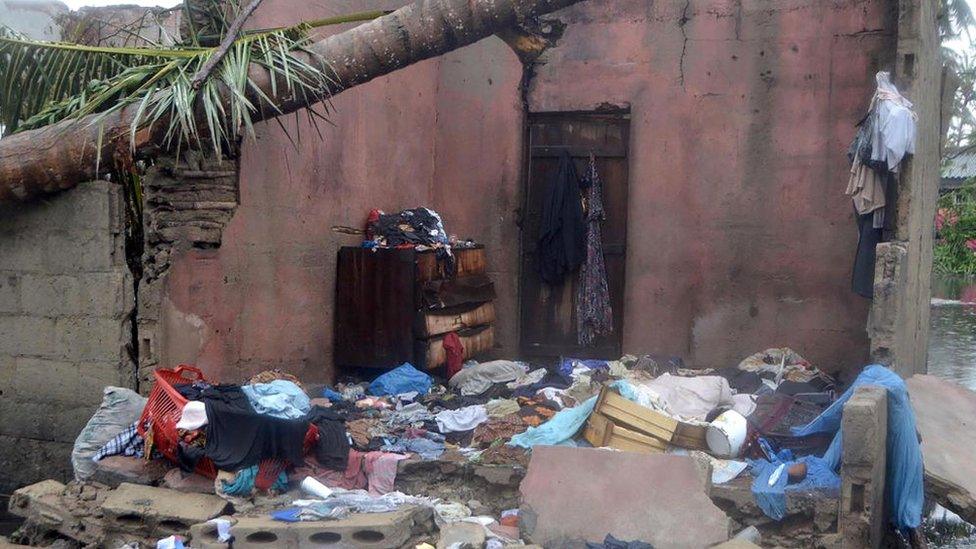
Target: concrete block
[(101, 294), (158, 511), (574, 495), (44, 420), (67, 383), (114, 470), (469, 535), (9, 293), (864, 427), (28, 335), (944, 413), (81, 251), (374, 530), (92, 339)]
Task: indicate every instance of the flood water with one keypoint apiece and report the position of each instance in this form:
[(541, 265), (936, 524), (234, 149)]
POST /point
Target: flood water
[(952, 338)]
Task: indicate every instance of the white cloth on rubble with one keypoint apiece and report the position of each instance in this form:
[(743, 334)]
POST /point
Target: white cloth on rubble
[(535, 376), (479, 378), (685, 398), (462, 419)]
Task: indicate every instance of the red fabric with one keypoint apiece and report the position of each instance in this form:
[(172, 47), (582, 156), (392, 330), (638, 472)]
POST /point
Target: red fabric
[(371, 219), (455, 353)]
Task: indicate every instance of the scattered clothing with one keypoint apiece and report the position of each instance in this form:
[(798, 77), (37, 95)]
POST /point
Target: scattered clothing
[(862, 276), (530, 378), (402, 379), (238, 437), (475, 380), (497, 429), (243, 483), (268, 376), (332, 446), (563, 229), (501, 407), (462, 419), (279, 398), (536, 410), (685, 398), (455, 353), (558, 430), (126, 443), (425, 444), (594, 315), (570, 365)]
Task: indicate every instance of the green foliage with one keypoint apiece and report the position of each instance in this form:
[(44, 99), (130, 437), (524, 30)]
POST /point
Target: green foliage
[(957, 217), (42, 83)]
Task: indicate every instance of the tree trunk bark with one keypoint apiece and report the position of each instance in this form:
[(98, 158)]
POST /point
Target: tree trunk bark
[(60, 156)]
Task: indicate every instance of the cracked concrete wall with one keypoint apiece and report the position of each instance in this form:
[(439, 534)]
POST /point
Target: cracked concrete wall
[(740, 235), (66, 299)]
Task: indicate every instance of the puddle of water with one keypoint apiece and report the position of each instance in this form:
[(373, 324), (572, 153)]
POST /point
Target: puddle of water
[(952, 334)]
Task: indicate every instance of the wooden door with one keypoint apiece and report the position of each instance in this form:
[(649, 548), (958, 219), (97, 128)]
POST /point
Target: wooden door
[(548, 313)]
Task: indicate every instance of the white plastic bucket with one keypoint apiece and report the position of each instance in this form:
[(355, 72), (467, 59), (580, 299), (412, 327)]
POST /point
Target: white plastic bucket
[(726, 434)]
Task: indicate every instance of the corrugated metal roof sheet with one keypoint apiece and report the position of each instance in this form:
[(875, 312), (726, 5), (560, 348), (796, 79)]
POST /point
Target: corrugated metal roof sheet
[(962, 166)]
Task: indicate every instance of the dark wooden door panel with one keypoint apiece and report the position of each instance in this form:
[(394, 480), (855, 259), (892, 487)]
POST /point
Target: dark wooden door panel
[(548, 313)]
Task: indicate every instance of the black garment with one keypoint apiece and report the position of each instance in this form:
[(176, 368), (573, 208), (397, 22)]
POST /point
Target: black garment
[(332, 449), (562, 234), (230, 394), (862, 279), (239, 437), (741, 380), (553, 378)]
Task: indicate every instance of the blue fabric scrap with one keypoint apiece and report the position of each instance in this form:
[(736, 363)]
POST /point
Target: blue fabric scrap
[(402, 379), (279, 398)]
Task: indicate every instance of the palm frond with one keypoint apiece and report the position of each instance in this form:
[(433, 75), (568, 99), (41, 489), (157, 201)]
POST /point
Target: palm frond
[(42, 83)]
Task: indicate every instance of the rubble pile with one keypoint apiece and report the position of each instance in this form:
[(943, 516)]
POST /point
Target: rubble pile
[(502, 454)]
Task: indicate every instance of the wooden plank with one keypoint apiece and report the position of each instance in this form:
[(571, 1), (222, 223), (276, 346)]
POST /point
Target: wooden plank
[(602, 432), (690, 436), (469, 261), (442, 321), (598, 430), (430, 353), (634, 416)]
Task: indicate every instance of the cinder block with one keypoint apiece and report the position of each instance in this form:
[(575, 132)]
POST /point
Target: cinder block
[(9, 293), (82, 250), (864, 425), (92, 339), (68, 383), (28, 335), (864, 429), (373, 530), (99, 294), (158, 511)]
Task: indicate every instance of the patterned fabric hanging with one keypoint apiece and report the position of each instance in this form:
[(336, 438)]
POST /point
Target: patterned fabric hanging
[(594, 316)]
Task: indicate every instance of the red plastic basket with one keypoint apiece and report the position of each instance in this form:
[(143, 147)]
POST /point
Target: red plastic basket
[(163, 410)]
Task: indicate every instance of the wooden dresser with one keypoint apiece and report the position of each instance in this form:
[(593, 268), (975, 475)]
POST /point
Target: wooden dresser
[(395, 306)]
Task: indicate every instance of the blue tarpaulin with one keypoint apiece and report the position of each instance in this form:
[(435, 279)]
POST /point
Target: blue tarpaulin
[(904, 494), (402, 379)]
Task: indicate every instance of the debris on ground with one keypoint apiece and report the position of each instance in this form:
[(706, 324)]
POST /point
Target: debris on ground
[(504, 453)]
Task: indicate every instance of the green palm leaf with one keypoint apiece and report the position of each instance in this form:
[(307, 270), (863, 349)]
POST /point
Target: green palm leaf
[(42, 83)]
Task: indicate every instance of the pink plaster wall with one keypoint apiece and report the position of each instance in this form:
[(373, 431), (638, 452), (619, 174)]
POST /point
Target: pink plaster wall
[(740, 237)]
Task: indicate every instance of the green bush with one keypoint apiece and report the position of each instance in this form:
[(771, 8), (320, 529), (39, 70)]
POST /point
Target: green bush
[(955, 225)]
